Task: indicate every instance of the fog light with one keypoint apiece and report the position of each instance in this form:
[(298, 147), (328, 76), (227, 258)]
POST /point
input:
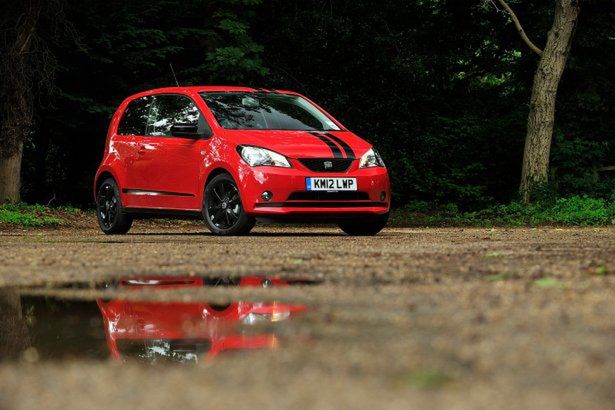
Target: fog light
[(383, 196), (267, 195)]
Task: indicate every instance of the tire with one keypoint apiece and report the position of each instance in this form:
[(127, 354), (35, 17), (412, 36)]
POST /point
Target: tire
[(112, 217), (222, 208), (364, 227)]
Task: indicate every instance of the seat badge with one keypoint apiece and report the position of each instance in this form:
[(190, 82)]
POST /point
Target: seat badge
[(328, 164)]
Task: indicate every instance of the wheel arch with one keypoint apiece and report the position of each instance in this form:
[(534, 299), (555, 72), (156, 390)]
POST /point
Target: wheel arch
[(219, 170), (214, 173), (100, 178)]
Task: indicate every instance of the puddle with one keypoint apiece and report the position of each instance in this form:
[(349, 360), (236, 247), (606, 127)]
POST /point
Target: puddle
[(34, 328)]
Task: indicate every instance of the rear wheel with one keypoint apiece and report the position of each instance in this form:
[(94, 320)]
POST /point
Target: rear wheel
[(112, 218), (222, 208), (366, 226)]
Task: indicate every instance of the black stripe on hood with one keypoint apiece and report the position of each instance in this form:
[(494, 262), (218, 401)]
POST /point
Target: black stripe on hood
[(347, 149), (337, 153)]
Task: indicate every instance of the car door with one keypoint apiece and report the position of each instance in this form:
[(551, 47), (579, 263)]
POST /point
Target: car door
[(171, 163), (129, 137)]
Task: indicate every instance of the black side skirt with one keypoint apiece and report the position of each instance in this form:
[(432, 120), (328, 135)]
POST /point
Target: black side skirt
[(163, 213)]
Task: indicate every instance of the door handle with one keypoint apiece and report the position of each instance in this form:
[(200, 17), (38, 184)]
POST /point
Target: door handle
[(142, 149)]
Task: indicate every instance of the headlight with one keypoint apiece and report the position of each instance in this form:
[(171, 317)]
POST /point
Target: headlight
[(256, 157), (371, 159)]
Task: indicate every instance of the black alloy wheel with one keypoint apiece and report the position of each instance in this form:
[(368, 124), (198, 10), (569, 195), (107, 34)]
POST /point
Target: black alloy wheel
[(112, 218), (222, 208)]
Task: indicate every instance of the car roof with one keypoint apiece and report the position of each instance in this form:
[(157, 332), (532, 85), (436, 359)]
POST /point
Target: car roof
[(211, 88)]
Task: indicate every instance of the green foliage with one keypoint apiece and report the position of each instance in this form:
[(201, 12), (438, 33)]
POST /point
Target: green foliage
[(493, 254), (27, 215), (126, 47), (448, 107), (575, 210), (600, 270), (441, 88), (499, 277), (565, 211), (546, 283), (574, 162), (578, 211), (237, 58), (424, 378)]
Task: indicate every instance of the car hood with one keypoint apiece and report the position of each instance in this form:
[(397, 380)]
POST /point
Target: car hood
[(303, 144)]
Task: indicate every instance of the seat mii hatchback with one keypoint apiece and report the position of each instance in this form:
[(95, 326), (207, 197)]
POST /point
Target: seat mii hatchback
[(232, 155)]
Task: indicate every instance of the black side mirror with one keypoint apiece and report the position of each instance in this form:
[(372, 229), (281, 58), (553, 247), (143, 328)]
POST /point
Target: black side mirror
[(187, 131)]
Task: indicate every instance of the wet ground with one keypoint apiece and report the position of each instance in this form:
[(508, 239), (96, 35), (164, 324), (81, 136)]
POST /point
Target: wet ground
[(307, 318)]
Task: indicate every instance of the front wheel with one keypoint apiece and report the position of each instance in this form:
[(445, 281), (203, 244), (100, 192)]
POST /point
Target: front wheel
[(222, 208), (365, 227)]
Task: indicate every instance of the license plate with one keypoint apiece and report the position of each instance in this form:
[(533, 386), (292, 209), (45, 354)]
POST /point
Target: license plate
[(331, 184)]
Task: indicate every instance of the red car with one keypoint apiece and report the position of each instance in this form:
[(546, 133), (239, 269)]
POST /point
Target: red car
[(234, 154), (188, 331)]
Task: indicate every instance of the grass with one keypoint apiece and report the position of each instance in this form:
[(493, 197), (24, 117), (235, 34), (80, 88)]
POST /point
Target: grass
[(573, 211), (497, 277), (600, 270), (493, 254), (29, 215), (424, 378), (545, 283)]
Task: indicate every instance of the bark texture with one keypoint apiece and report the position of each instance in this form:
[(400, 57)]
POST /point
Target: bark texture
[(544, 91), (519, 27), (18, 78), (10, 175), (14, 334)]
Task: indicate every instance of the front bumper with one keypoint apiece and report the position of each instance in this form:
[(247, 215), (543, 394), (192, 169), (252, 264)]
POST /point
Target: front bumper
[(291, 199)]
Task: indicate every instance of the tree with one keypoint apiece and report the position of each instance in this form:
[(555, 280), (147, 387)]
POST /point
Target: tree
[(448, 109), (27, 68), (544, 91), (15, 337), (17, 101), (125, 47)]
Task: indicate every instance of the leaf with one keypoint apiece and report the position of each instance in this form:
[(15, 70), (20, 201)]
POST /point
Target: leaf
[(600, 270)]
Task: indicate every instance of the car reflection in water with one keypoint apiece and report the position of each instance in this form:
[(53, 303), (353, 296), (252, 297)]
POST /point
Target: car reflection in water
[(189, 331)]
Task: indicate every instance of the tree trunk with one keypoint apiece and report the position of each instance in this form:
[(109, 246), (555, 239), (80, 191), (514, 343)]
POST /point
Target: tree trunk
[(20, 74), (14, 337), (10, 176), (542, 105)]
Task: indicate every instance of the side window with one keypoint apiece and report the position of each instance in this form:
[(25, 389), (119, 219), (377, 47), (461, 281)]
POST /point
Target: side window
[(169, 110), (135, 116)]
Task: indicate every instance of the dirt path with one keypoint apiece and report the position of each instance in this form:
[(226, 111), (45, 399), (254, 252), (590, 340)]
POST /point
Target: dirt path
[(461, 318)]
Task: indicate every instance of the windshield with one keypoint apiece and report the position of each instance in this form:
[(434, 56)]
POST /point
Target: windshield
[(266, 111)]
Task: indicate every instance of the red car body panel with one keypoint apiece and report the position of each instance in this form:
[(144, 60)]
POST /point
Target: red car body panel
[(178, 168)]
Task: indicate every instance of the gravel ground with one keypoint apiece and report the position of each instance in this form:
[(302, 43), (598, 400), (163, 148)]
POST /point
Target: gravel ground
[(430, 318)]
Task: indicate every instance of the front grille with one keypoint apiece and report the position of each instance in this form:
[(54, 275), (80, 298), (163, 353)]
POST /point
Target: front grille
[(327, 164), (328, 196)]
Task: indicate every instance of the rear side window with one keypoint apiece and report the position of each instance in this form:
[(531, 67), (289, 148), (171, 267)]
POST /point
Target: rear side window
[(171, 109), (135, 116)]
